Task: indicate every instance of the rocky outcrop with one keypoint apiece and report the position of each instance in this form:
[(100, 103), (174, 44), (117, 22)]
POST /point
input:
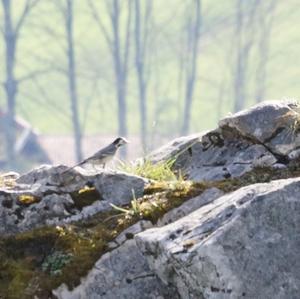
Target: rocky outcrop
[(50, 196), (265, 135), (228, 228), (243, 245), (273, 124)]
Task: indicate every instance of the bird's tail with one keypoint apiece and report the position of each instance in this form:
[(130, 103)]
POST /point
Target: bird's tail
[(72, 167)]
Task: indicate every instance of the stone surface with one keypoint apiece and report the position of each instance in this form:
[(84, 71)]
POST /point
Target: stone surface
[(174, 148), (265, 135), (112, 185), (121, 273), (243, 245), (271, 123), (49, 196), (240, 245), (190, 206)]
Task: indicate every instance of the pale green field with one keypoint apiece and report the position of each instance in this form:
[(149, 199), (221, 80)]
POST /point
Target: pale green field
[(44, 102)]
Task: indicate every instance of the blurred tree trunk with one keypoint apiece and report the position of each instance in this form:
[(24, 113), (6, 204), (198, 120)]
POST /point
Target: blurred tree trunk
[(11, 84), (266, 18), (71, 73), (141, 35), (244, 35), (193, 33), (11, 35), (119, 46), (120, 68)]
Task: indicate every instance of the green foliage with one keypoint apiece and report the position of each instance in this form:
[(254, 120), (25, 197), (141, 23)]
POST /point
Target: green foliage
[(161, 171), (54, 263)]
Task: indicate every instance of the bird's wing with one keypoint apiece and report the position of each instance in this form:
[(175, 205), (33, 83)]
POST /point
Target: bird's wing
[(108, 151), (104, 153)]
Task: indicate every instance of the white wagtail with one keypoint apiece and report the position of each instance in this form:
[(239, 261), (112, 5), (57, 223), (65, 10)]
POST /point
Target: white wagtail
[(102, 156)]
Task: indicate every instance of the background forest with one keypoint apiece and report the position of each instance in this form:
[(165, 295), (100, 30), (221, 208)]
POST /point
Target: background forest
[(149, 69)]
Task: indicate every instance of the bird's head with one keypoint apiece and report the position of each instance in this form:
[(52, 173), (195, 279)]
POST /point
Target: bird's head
[(120, 141)]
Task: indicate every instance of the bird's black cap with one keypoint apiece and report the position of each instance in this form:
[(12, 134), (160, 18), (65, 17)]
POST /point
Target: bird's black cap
[(120, 141)]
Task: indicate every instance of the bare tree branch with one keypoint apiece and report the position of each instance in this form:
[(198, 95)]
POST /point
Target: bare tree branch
[(100, 24), (35, 74), (127, 39), (27, 8), (192, 61)]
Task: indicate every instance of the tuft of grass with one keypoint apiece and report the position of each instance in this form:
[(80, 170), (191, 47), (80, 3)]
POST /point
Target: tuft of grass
[(134, 210), (291, 120), (161, 171)]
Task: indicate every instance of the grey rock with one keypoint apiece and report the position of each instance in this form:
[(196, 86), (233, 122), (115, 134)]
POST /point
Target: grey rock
[(121, 273), (51, 207), (54, 192), (18, 217), (295, 154), (242, 245), (129, 233), (174, 148), (226, 158), (190, 206), (10, 175), (279, 166), (262, 136), (39, 173), (119, 188), (112, 185), (271, 123)]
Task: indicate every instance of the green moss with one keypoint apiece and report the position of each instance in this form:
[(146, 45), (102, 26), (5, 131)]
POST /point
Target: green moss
[(49, 256)]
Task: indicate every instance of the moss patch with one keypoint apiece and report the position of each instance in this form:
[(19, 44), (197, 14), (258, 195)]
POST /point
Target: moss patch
[(85, 197), (35, 262), (28, 199)]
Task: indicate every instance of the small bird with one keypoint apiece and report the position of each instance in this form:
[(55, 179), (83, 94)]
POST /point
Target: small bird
[(102, 156)]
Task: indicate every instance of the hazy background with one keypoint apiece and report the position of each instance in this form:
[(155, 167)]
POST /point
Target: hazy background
[(75, 74)]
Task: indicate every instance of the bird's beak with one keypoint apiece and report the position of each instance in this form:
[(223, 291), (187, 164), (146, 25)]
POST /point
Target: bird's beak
[(126, 141)]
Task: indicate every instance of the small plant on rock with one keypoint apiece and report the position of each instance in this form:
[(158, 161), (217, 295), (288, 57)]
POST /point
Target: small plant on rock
[(134, 210), (55, 262)]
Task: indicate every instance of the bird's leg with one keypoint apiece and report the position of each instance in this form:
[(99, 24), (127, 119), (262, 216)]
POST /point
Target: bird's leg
[(103, 165)]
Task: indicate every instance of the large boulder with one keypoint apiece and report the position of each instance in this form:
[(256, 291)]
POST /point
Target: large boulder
[(265, 135), (242, 245), (272, 123)]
